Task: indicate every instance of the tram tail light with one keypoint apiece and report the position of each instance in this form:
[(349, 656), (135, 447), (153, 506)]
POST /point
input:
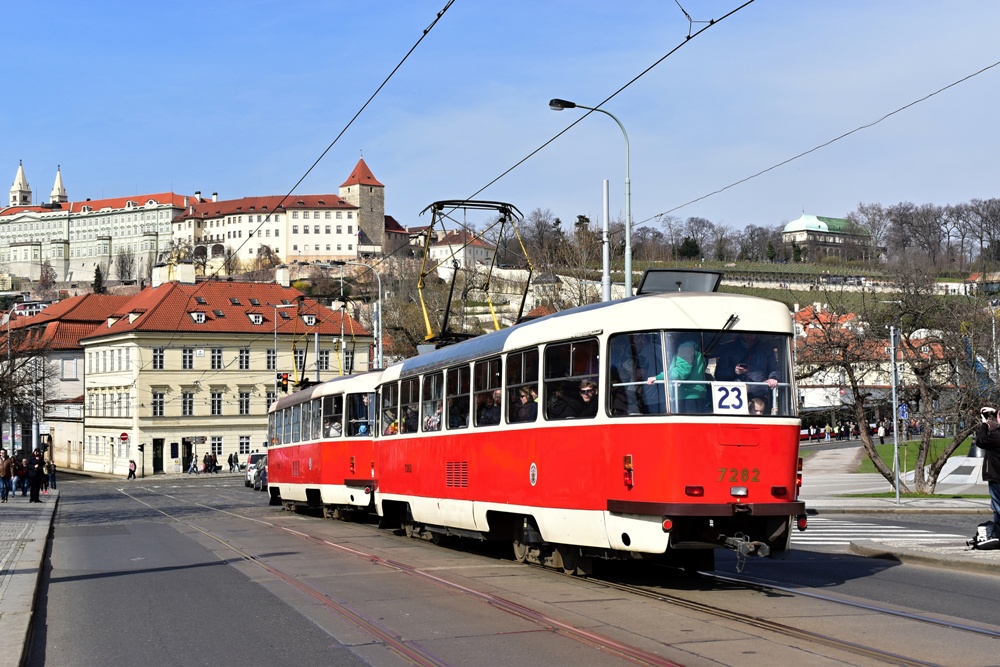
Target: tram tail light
[(801, 522), (696, 491), (629, 475), (668, 525), (798, 474), (778, 491), (352, 465)]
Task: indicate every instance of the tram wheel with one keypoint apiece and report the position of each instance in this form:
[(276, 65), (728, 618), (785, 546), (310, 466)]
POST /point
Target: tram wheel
[(409, 530), (566, 557), (520, 551)]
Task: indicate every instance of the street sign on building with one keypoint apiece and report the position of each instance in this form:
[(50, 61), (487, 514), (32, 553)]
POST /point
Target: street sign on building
[(124, 437)]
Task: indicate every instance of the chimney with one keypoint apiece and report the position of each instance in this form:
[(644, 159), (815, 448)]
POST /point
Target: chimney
[(282, 276), (215, 196), (185, 201), (197, 195)]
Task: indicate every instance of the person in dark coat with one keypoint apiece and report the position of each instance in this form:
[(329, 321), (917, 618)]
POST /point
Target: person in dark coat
[(36, 469), (988, 440)]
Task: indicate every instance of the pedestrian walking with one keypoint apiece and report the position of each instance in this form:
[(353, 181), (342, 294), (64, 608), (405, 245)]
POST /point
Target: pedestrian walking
[(229, 462), (193, 467), (51, 473), (22, 476), (131, 469), (236, 462), (6, 471), (881, 433)]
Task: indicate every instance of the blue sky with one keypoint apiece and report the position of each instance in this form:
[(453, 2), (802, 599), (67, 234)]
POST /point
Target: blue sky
[(242, 97)]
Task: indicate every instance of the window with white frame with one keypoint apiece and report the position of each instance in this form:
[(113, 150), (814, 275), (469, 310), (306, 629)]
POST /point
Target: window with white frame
[(187, 358), (216, 358), (324, 360), (244, 444), (244, 359), (271, 362), (158, 403), (217, 445), (216, 403), (187, 403), (271, 398), (244, 402)]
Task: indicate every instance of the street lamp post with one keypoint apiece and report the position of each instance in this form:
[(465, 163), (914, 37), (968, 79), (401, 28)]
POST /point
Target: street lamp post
[(895, 408), (559, 105), (379, 355), (276, 307)]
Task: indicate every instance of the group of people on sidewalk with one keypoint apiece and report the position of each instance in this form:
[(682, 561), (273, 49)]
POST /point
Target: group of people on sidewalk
[(31, 475), (210, 464)]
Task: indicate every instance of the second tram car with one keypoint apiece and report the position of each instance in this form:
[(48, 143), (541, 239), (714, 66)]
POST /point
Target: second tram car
[(663, 425)]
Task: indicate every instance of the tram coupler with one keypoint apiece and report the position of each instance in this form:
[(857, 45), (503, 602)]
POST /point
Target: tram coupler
[(747, 548)]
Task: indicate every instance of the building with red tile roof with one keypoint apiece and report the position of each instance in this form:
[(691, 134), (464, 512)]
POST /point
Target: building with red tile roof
[(179, 363)]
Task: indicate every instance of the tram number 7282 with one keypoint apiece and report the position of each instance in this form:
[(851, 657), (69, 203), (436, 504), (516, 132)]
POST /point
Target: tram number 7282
[(739, 474)]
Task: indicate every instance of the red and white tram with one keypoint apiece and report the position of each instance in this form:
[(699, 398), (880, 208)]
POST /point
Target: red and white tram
[(663, 425), (322, 452)]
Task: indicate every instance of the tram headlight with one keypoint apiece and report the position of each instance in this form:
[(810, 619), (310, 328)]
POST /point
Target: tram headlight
[(738, 491)]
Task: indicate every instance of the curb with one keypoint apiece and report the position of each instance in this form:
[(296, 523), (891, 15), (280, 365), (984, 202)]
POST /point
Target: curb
[(966, 560)]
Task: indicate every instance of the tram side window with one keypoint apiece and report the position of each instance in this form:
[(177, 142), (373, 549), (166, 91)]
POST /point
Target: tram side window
[(286, 418), (458, 395), (317, 418), (297, 423), (306, 421), (359, 414), (522, 386), (409, 405), (571, 389), (333, 416), (274, 428), (390, 409), (487, 392), (635, 374), (431, 409)]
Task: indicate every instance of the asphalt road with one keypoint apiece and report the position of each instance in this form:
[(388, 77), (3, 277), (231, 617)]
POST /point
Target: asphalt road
[(146, 572)]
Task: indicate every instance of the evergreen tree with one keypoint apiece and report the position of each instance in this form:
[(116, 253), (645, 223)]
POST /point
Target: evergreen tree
[(689, 249), (98, 286)]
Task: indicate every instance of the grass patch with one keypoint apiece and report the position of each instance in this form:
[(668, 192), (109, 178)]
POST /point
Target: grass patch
[(908, 454)]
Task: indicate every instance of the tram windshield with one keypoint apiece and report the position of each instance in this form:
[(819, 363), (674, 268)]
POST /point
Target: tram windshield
[(700, 372)]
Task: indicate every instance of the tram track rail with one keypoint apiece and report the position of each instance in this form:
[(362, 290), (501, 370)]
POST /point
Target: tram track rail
[(589, 638)]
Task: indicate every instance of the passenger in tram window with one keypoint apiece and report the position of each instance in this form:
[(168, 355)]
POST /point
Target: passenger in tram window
[(588, 399), (649, 361), (458, 412), (433, 420), (750, 358), (489, 411), (564, 400), (409, 423), (687, 366), (526, 409), (392, 426)]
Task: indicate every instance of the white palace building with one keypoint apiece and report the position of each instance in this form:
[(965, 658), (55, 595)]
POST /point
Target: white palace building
[(77, 237)]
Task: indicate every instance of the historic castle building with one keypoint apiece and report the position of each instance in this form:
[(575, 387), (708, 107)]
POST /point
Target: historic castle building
[(77, 237)]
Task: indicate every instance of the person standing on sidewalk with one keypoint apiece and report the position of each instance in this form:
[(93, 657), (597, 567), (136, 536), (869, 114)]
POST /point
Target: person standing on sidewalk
[(6, 472), (988, 440), (35, 464), (50, 470)]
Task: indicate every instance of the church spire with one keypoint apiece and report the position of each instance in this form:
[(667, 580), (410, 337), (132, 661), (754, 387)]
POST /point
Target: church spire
[(20, 192), (58, 194)]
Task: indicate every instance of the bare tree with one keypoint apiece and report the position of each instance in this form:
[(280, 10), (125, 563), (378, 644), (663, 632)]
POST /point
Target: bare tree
[(874, 218), (125, 263), (46, 280), (699, 230)]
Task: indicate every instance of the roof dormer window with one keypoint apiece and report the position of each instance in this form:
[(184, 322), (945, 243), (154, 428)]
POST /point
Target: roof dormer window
[(310, 320), (198, 317)]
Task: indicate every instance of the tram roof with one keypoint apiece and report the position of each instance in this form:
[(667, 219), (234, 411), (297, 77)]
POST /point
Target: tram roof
[(663, 310), (357, 383)]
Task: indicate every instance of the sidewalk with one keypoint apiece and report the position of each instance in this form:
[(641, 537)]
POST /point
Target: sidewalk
[(24, 534), (827, 487)]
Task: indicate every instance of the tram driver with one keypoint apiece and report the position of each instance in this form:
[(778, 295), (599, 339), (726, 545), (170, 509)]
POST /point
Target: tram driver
[(751, 358)]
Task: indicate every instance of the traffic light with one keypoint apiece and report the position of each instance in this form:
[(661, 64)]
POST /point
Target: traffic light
[(283, 381), (142, 447)]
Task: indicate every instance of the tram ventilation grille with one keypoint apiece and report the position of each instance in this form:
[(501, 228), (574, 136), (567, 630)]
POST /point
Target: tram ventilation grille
[(295, 469), (457, 474)]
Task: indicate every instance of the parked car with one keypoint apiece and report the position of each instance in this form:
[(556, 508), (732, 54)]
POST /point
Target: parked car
[(252, 460), (260, 475)]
